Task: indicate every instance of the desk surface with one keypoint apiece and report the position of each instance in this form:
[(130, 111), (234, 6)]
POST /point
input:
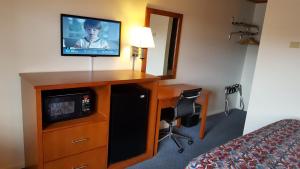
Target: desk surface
[(173, 91), (170, 91)]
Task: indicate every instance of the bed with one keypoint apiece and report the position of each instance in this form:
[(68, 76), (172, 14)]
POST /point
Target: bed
[(274, 146)]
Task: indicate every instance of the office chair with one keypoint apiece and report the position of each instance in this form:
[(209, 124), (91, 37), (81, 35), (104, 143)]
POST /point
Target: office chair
[(236, 88), (185, 106)]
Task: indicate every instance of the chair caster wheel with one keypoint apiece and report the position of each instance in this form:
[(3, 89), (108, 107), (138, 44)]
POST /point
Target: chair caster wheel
[(180, 150), (190, 142)]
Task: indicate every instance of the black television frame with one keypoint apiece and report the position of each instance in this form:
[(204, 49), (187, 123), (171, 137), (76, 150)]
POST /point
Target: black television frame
[(86, 17)]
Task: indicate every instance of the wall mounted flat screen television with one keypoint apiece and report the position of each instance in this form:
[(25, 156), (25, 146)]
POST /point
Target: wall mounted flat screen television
[(86, 36)]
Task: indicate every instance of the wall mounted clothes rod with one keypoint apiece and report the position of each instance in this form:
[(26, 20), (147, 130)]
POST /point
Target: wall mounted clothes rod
[(245, 25), (242, 34), (245, 32)]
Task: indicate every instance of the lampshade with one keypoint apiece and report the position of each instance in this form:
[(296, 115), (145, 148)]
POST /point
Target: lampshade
[(142, 38)]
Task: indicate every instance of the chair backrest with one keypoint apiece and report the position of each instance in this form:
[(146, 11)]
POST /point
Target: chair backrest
[(185, 104)]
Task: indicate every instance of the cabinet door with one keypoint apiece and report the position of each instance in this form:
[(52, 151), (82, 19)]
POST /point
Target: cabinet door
[(128, 124)]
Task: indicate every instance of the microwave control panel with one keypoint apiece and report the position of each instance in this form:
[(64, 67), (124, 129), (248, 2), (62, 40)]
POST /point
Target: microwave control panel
[(86, 103)]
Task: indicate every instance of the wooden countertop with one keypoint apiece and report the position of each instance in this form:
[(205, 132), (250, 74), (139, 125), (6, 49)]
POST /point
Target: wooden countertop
[(46, 79)]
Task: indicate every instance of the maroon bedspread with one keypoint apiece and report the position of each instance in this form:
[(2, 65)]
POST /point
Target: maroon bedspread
[(274, 146)]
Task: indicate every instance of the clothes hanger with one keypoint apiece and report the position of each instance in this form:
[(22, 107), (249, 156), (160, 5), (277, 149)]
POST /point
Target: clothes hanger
[(249, 41)]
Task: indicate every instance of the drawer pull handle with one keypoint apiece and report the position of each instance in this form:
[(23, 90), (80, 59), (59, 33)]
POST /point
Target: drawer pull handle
[(77, 141), (81, 167)]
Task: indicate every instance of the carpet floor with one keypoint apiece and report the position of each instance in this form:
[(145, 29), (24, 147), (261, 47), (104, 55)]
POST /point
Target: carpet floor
[(219, 130)]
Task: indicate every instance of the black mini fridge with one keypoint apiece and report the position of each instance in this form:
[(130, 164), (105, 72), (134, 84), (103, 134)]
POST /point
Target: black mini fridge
[(129, 109)]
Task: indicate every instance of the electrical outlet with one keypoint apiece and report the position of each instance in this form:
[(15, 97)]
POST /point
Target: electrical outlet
[(295, 45)]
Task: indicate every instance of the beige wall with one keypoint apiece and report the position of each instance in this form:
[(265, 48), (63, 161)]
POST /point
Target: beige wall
[(251, 54), (275, 91), (207, 58), (38, 23), (30, 33), (11, 143)]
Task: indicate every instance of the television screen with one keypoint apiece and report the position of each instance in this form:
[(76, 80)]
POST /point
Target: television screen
[(85, 36)]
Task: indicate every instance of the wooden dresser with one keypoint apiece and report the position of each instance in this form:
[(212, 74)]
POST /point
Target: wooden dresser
[(80, 143)]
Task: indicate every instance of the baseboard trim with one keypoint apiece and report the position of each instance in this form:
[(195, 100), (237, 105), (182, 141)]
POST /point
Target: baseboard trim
[(218, 111)]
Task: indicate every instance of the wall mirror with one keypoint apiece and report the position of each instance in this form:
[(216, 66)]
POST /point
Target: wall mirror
[(166, 28)]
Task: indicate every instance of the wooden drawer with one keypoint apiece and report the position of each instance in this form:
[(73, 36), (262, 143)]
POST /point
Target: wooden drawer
[(74, 140), (94, 159)]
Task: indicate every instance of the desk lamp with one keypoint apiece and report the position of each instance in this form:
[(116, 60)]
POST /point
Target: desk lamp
[(141, 38)]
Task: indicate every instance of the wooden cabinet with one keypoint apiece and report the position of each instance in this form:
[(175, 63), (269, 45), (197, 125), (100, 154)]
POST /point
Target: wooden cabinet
[(79, 143)]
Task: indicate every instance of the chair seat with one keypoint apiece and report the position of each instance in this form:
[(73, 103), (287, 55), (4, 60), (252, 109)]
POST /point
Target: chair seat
[(167, 114)]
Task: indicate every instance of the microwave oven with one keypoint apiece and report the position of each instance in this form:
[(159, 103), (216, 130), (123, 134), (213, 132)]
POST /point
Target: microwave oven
[(66, 104)]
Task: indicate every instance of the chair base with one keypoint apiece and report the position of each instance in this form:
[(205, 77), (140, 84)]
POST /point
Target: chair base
[(174, 135)]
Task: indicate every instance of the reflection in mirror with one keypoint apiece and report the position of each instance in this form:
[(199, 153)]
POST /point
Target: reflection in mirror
[(162, 60)]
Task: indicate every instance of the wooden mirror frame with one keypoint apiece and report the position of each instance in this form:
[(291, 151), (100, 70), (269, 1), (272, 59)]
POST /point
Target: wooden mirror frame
[(178, 16)]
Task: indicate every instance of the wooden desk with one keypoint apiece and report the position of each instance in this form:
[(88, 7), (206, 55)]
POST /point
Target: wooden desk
[(168, 96)]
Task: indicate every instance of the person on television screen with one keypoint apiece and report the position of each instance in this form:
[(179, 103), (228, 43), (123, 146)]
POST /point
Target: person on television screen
[(92, 39)]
